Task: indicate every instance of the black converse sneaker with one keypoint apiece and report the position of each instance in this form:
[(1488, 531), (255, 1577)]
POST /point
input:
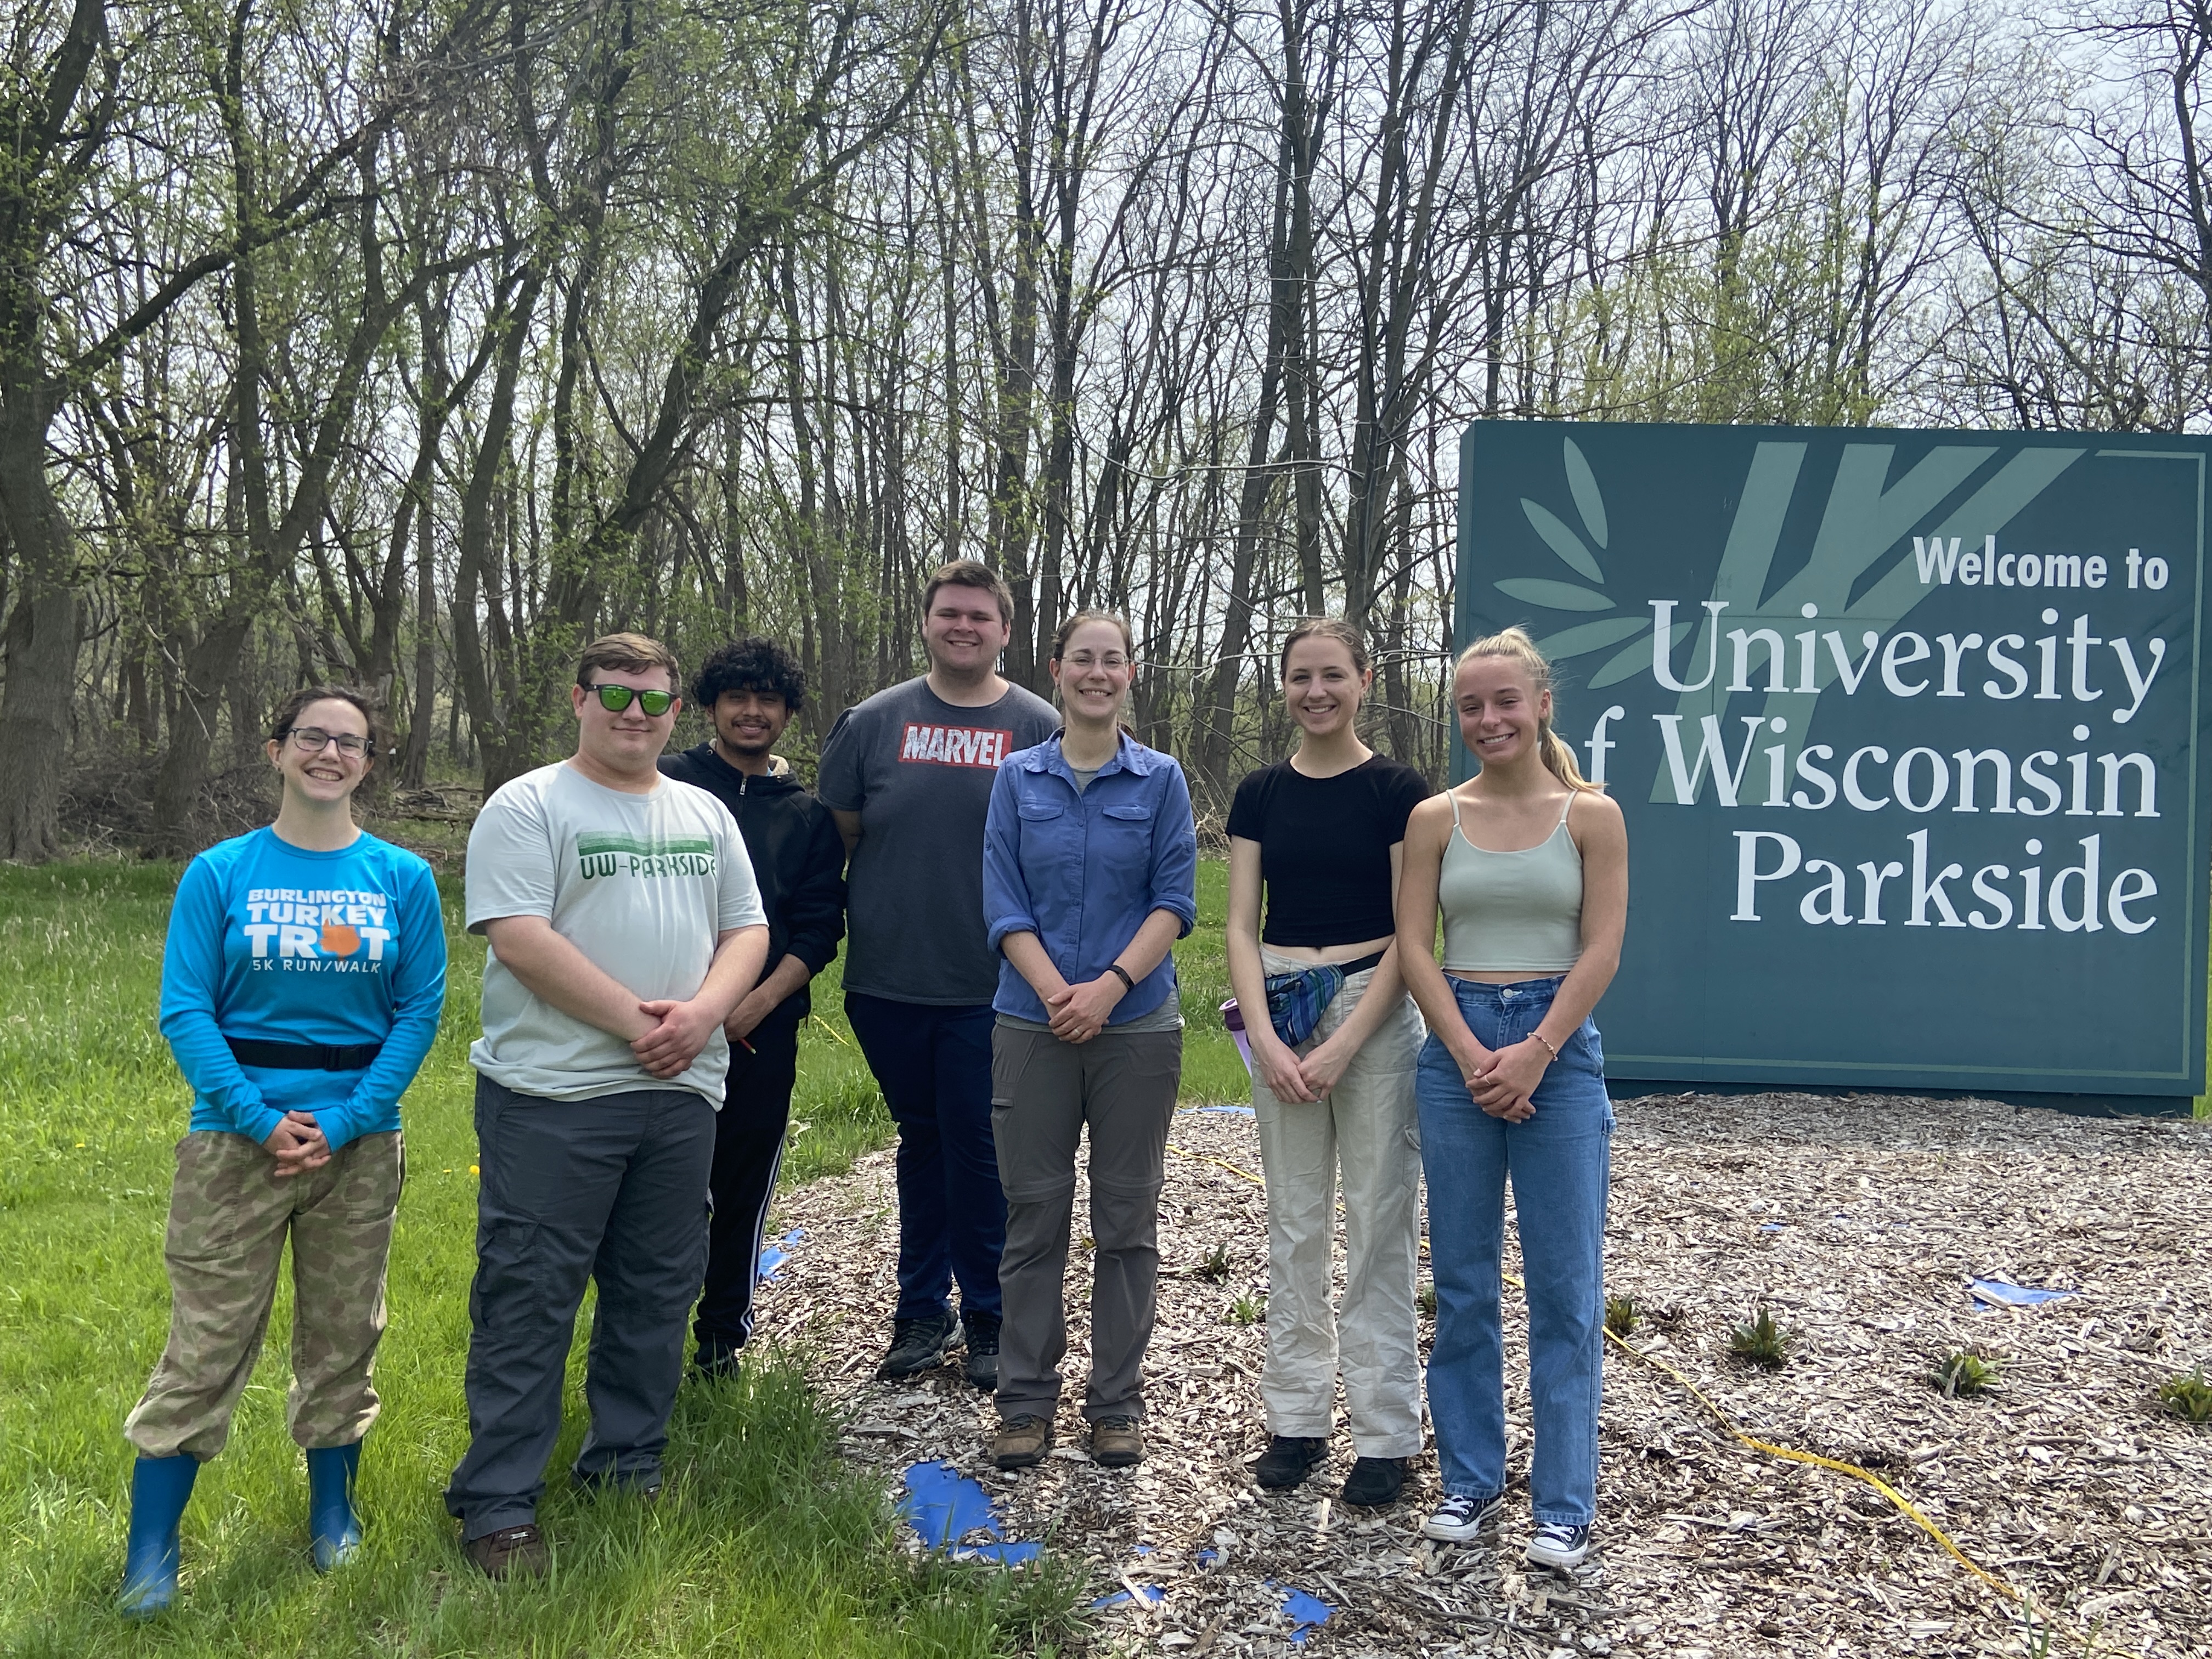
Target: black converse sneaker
[(1463, 1520), (1559, 1547)]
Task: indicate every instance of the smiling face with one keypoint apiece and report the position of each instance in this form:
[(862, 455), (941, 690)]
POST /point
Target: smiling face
[(1093, 671), (328, 775), (750, 723), (629, 743), (1500, 710), (964, 631), (1322, 685)]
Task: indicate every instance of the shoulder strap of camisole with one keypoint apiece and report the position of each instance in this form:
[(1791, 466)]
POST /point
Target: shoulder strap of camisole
[(1452, 795), (1564, 810)]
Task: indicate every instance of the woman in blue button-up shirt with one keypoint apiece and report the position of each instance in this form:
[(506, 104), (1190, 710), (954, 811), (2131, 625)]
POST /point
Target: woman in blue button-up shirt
[(1090, 866)]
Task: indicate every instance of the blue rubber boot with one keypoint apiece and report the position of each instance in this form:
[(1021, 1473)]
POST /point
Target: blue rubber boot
[(159, 1489), (331, 1524)]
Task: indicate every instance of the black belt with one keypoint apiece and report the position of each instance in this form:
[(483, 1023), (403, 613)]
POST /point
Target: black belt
[(305, 1056), (1348, 968)]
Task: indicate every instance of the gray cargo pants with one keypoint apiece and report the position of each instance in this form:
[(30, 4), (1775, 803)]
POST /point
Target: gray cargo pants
[(1044, 1091), (612, 1189)]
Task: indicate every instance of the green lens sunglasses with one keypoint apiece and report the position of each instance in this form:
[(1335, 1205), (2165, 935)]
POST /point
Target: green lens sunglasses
[(615, 698)]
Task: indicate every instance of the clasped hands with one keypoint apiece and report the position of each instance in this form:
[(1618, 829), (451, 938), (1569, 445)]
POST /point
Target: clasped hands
[(297, 1145), (680, 1030), (1501, 1080), (1305, 1078), (1078, 1013)]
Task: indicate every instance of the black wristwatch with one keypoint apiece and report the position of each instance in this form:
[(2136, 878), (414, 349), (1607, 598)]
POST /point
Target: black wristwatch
[(1122, 974)]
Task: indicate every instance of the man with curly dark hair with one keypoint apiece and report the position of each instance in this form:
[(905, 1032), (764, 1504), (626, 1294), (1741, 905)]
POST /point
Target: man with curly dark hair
[(750, 689)]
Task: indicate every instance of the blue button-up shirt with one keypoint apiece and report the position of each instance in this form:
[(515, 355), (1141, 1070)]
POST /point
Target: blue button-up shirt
[(1082, 868)]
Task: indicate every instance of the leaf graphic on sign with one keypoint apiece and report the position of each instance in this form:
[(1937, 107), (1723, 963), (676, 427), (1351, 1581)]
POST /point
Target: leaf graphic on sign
[(1562, 541), (1583, 483), (1561, 537), (1552, 596)]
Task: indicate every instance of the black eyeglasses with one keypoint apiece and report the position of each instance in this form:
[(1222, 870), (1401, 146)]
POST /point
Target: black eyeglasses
[(313, 740), (615, 698)]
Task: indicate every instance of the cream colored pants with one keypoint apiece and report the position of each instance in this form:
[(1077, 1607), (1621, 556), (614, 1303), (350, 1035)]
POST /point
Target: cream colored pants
[(1366, 1127)]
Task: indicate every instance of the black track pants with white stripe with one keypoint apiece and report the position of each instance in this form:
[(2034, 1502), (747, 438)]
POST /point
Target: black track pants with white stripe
[(749, 1134)]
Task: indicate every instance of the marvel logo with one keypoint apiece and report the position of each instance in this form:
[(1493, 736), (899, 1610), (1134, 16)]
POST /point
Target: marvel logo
[(954, 745)]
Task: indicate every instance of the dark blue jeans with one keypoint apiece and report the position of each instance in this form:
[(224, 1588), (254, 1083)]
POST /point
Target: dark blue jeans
[(934, 1064)]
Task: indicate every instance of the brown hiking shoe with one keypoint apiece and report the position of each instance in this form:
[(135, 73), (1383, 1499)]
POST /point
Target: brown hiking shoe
[(1021, 1442), (510, 1552), (1116, 1442)]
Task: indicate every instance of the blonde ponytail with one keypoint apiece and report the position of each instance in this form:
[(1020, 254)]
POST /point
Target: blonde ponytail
[(1515, 647)]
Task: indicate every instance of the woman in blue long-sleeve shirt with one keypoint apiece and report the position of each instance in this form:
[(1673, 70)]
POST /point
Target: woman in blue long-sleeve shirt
[(1089, 862), (300, 988)]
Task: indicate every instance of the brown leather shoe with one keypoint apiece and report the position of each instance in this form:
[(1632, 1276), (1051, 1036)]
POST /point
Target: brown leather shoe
[(1021, 1442), (510, 1552), (1116, 1442)]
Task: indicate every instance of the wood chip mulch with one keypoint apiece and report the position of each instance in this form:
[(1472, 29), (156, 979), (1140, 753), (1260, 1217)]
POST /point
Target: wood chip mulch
[(1858, 1222)]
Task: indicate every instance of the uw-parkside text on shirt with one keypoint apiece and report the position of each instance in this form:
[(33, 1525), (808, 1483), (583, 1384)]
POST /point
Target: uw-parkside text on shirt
[(918, 770), (642, 885)]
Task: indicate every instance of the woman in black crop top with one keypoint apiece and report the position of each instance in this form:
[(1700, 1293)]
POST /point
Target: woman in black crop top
[(1318, 836)]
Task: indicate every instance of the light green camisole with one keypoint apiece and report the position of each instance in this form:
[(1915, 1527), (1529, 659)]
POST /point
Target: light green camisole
[(1511, 912)]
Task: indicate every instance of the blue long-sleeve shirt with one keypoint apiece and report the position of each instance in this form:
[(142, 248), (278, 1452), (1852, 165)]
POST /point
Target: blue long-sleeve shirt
[(1082, 868), (275, 943)]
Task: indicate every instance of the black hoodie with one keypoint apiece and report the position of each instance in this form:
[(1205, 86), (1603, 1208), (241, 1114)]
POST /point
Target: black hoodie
[(798, 860)]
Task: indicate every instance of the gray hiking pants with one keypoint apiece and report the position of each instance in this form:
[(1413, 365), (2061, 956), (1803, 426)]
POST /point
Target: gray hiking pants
[(1044, 1091), (612, 1189)]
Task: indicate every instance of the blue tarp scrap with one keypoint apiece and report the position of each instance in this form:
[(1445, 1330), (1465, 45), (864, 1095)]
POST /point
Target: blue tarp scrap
[(2003, 1293), (943, 1506), (1153, 1596), (772, 1256), (1228, 1111), (1308, 1613), (1207, 1558)]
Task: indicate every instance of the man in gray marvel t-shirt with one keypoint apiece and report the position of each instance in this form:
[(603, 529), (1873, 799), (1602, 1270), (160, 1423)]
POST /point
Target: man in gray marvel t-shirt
[(909, 775)]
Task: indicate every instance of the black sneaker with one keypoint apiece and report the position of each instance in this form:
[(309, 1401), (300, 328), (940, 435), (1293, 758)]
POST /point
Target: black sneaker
[(983, 1365), (1375, 1481), (715, 1362), (918, 1345), (1558, 1546), (1288, 1460)]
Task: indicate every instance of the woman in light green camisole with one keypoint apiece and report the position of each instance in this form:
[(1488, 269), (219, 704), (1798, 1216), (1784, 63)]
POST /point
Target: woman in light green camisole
[(1528, 866)]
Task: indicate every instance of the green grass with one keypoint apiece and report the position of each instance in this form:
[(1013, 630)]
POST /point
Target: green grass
[(764, 1544)]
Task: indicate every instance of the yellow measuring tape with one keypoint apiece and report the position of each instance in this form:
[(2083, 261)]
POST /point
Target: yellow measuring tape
[(2090, 1640)]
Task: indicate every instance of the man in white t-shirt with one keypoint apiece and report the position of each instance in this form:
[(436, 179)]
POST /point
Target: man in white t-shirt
[(624, 924)]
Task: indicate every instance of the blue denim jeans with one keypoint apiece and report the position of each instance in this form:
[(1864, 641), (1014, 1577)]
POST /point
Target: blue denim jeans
[(1559, 1163)]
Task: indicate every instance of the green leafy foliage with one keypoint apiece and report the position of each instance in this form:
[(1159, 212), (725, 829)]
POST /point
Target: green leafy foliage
[(1965, 1372), (1620, 1315), (1760, 1342), (2188, 1397)]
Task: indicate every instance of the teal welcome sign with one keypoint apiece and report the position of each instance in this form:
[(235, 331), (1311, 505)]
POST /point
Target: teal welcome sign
[(1909, 729)]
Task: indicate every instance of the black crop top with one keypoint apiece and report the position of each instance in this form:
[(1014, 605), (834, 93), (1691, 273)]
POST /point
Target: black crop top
[(1325, 847)]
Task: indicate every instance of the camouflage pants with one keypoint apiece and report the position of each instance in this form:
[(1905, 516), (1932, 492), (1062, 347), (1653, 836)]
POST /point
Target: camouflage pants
[(228, 1216)]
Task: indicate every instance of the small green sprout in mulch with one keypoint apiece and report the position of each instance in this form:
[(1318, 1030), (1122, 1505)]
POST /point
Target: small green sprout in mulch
[(1621, 1315), (1216, 1266), (1425, 1297), (1761, 1342), (2188, 1397), (1248, 1311), (1965, 1372)]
